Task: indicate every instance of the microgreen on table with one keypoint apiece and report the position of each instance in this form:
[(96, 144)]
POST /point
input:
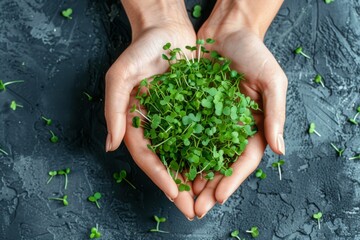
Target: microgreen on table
[(119, 176), (355, 157), (254, 231), (299, 50), (94, 198), (14, 105), (64, 172), (353, 120), (51, 174), (260, 174), (278, 165), (89, 97), (196, 11), (313, 130), (63, 200), (338, 150), (3, 85), (3, 152), (158, 221), (94, 232), (67, 13), (53, 138), (235, 234), (318, 217), (329, 1), (318, 79), (193, 113), (48, 121)]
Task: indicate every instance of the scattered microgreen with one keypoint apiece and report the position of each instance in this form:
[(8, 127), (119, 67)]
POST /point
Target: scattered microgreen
[(3, 85), (94, 232), (64, 172), (53, 138), (329, 1), (94, 198), (3, 152), (299, 50), (196, 11), (338, 150), (254, 231), (353, 120), (89, 97), (63, 200), (158, 221), (278, 165), (312, 129), (235, 234), (318, 79), (67, 13), (51, 174), (318, 217), (260, 174), (119, 176), (48, 121), (14, 105), (355, 157)]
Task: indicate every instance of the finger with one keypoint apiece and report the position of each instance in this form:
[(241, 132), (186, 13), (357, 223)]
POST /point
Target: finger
[(242, 168), (206, 200), (199, 184), (185, 201)]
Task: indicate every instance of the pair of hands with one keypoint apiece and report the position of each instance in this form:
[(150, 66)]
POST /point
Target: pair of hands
[(265, 82)]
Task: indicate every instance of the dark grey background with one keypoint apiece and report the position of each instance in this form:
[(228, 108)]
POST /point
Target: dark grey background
[(59, 59)]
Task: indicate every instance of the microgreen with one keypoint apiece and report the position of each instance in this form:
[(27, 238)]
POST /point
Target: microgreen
[(196, 11), (63, 200), (193, 114), (89, 97), (318, 79), (51, 174), (53, 138), (299, 50), (278, 165), (254, 231), (48, 121), (67, 13), (338, 150), (353, 120), (3, 152), (318, 217), (158, 221), (64, 172), (260, 174), (119, 176), (3, 85), (14, 105), (94, 232), (355, 157), (312, 129), (94, 198), (329, 1), (235, 234)]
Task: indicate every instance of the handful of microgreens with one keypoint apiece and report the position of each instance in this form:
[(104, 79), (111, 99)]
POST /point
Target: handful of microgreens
[(197, 119)]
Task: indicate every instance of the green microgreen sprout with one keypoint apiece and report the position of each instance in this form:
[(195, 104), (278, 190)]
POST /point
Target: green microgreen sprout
[(278, 165), (318, 217), (64, 172), (338, 150), (94, 233), (329, 1), (48, 121), (14, 105), (51, 174), (196, 11), (3, 152), (353, 120), (53, 138), (260, 174), (235, 234), (318, 79), (67, 13), (299, 50), (355, 157), (158, 221), (312, 129), (89, 97), (254, 231), (94, 198), (63, 200), (119, 176), (3, 85)]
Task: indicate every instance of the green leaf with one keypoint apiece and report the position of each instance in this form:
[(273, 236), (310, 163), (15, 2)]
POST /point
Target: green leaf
[(210, 41), (210, 176), (92, 199), (219, 108), (123, 174), (162, 219), (192, 173), (228, 172), (317, 215), (235, 233), (157, 219), (167, 46), (67, 13), (97, 195), (200, 42), (155, 121), (136, 122), (198, 128), (206, 103)]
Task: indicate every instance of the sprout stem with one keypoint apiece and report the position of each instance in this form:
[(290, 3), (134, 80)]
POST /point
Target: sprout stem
[(3, 151), (319, 223), (279, 169), (304, 55), (49, 180), (355, 157), (66, 181), (130, 183), (142, 115), (317, 133)]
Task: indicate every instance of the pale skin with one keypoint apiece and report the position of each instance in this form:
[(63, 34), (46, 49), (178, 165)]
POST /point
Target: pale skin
[(238, 26)]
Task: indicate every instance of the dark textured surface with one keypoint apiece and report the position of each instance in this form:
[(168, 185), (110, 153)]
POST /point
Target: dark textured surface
[(59, 59)]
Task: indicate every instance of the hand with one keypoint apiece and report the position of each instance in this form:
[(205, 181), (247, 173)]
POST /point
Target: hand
[(142, 59), (265, 82)]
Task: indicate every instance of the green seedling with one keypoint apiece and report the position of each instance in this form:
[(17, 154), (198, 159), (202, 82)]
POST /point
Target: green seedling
[(3, 85), (64, 172), (89, 97), (119, 176), (338, 150), (260, 174), (355, 157), (94, 198), (53, 138), (299, 50), (318, 217), (318, 79), (14, 105), (67, 13), (235, 234), (51, 174), (353, 120), (48, 121), (278, 165), (329, 1), (312, 129), (254, 231), (3, 152), (197, 11), (63, 200), (94, 233), (158, 221)]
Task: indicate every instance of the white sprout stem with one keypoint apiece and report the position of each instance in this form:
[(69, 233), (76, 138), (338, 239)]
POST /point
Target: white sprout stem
[(353, 158), (319, 223), (304, 55), (199, 50), (3, 151), (18, 105), (168, 129), (334, 147), (356, 116), (317, 133), (17, 81), (187, 59), (142, 115), (279, 169), (192, 57), (322, 83), (248, 231)]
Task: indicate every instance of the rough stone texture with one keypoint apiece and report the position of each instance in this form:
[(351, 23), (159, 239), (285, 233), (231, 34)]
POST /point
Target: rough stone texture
[(59, 59)]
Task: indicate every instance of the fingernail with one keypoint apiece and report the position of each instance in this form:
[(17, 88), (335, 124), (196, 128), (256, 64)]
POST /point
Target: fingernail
[(281, 144), (222, 203), (170, 199), (108, 143), (201, 216), (190, 219)]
